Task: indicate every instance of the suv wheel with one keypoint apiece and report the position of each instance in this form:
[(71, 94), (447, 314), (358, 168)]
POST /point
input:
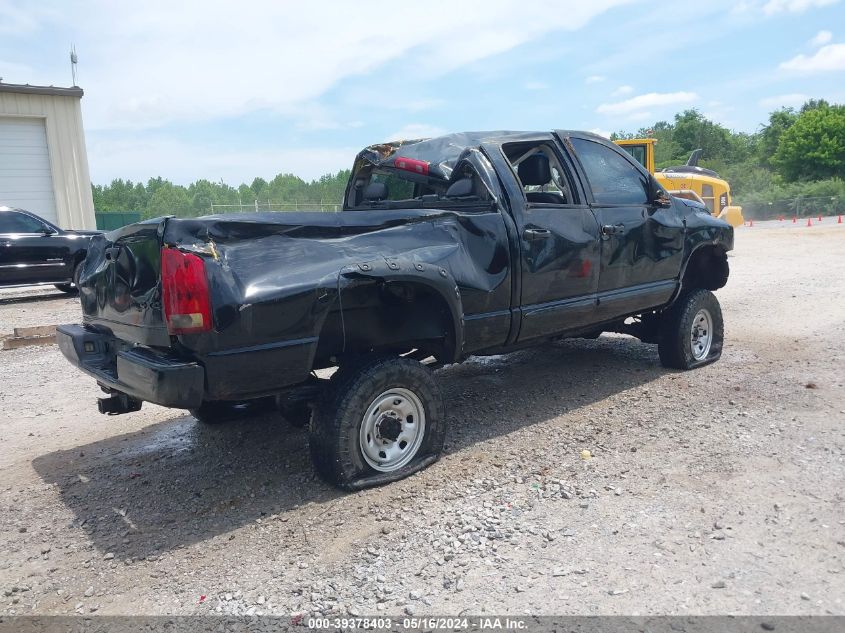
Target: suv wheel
[(691, 331), (72, 287), (381, 420)]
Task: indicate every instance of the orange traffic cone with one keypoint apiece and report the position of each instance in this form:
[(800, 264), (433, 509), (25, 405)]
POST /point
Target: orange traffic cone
[(809, 221), (794, 219), (840, 220), (820, 217)]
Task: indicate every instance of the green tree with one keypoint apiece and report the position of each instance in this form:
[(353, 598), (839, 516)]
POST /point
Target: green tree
[(693, 131), (203, 194), (168, 199), (769, 137), (813, 147), (814, 104), (258, 186)]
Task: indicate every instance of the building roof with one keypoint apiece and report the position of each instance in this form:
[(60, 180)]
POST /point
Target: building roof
[(53, 91)]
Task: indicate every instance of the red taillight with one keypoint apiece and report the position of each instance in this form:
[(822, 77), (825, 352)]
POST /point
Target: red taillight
[(411, 164), (184, 292)]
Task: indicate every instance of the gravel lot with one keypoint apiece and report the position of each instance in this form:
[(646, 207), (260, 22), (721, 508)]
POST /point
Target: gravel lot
[(713, 491)]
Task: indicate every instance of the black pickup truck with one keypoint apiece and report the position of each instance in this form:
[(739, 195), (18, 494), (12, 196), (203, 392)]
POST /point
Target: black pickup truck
[(466, 244)]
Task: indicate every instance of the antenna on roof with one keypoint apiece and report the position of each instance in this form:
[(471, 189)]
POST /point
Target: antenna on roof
[(73, 61)]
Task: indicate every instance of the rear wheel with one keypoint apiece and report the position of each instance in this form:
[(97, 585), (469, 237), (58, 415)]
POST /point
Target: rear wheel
[(74, 286), (381, 420), (691, 331)]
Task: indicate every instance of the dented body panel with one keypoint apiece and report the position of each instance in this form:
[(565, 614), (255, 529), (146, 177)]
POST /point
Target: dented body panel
[(448, 277)]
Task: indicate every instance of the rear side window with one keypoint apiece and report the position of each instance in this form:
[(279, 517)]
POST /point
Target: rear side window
[(13, 222), (613, 179), (539, 172)]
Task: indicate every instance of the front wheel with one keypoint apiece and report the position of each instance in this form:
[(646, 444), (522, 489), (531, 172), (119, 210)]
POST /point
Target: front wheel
[(691, 331), (380, 421)]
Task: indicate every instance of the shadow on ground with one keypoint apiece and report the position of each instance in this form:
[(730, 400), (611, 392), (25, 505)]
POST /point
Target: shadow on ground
[(179, 482)]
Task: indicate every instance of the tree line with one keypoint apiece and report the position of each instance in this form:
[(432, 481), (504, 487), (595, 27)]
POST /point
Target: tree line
[(796, 157), (159, 197), (795, 161)]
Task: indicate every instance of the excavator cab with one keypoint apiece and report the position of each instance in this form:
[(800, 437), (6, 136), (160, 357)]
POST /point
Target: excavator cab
[(689, 180)]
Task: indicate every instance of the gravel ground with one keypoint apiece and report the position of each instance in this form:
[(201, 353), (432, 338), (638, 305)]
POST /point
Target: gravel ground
[(35, 305), (713, 491)]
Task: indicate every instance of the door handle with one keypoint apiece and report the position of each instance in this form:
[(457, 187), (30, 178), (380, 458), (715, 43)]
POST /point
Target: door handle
[(612, 229), (536, 234)]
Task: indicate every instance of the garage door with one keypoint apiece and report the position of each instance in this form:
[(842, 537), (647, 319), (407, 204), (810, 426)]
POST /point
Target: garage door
[(25, 178)]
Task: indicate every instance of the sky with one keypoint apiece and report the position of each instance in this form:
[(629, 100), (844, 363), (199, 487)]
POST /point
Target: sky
[(230, 91)]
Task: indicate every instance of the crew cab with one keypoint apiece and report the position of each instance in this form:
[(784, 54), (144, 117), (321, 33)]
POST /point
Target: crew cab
[(466, 244), (34, 251)]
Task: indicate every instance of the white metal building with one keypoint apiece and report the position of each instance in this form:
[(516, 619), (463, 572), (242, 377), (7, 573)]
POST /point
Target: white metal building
[(43, 162)]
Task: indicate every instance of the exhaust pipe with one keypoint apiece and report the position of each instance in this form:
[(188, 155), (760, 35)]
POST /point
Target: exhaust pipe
[(118, 403)]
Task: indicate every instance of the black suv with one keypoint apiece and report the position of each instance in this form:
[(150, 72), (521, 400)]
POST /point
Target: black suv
[(35, 251)]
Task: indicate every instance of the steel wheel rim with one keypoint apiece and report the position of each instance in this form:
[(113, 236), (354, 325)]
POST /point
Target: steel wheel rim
[(701, 334), (392, 430)]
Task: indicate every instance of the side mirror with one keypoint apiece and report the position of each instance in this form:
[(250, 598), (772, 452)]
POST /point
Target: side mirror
[(658, 195)]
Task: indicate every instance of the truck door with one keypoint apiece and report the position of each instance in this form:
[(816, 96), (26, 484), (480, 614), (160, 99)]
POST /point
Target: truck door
[(28, 254), (558, 240), (641, 244)]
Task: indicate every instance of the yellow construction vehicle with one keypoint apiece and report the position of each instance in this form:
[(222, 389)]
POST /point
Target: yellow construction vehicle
[(688, 181)]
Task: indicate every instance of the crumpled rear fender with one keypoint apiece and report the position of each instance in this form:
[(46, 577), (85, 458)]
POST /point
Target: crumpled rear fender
[(401, 270)]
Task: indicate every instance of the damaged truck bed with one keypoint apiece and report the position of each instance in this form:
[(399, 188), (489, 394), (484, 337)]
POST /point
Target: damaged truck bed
[(465, 244)]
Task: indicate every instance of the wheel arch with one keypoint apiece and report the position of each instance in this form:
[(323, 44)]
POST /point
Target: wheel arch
[(377, 310), (706, 268)]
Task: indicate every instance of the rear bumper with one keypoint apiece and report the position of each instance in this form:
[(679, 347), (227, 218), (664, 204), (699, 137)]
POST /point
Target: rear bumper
[(138, 372)]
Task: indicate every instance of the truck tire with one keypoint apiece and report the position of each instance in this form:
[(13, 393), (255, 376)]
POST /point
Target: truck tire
[(691, 331), (217, 411), (380, 420)]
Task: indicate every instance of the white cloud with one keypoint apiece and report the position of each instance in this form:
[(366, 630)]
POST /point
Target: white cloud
[(158, 62), (652, 99), (639, 116), (601, 132), (621, 91), (794, 6), (594, 79), (821, 38), (827, 59), (414, 131), (788, 100)]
